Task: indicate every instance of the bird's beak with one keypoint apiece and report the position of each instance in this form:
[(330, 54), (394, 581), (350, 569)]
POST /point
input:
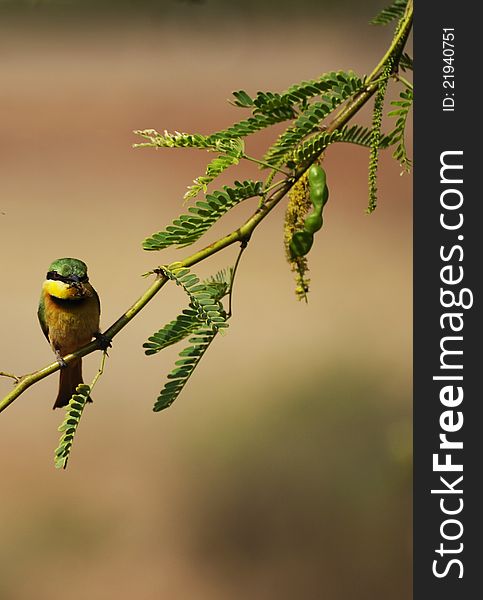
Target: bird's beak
[(76, 283)]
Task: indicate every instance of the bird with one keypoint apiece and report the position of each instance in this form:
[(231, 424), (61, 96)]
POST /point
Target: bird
[(69, 313)]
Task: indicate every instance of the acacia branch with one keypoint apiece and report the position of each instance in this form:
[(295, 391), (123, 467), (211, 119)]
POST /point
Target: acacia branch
[(242, 234)]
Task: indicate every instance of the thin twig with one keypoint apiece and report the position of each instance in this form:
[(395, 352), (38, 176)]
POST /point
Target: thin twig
[(403, 80), (265, 164), (232, 282), (3, 374)]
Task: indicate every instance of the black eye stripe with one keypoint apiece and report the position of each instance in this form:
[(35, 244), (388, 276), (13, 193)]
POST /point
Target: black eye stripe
[(53, 275)]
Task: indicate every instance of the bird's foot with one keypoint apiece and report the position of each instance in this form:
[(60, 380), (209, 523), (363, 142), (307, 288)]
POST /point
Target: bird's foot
[(60, 360), (103, 341)]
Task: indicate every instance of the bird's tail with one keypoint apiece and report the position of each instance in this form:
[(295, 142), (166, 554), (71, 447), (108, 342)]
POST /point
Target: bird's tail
[(70, 378)]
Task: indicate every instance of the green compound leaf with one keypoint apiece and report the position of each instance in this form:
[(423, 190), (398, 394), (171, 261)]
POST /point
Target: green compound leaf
[(314, 146), (234, 150), (188, 228), (189, 320), (247, 126), (73, 414), (357, 134), (406, 62), (390, 13), (362, 136), (242, 99), (202, 299), (333, 81), (175, 140), (184, 325), (189, 360), (274, 104), (397, 136), (213, 170), (220, 283), (231, 151), (286, 105), (343, 86), (269, 108), (266, 103)]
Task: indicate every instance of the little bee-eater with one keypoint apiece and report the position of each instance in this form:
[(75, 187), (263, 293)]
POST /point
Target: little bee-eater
[(69, 312)]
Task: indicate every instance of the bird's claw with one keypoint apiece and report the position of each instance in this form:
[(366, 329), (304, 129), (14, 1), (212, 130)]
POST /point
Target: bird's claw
[(103, 341), (60, 360)]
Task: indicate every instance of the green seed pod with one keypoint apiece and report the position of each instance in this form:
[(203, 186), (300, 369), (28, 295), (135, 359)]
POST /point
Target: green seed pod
[(314, 222), (319, 192), (317, 196), (301, 243), (317, 175)]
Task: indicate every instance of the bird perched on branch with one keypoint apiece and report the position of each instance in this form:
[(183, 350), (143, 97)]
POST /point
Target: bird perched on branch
[(69, 312)]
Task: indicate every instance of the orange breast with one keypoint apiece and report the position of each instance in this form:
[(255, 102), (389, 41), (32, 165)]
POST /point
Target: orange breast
[(72, 324)]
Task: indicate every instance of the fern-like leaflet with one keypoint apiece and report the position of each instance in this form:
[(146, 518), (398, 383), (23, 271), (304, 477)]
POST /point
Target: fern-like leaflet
[(266, 103), (272, 103), (68, 428), (189, 320), (390, 13), (179, 140), (188, 323), (300, 93), (220, 283), (214, 168), (269, 108), (171, 140), (398, 134), (188, 228), (406, 62), (189, 359), (248, 126), (357, 134), (314, 146), (231, 151), (242, 99), (184, 325), (344, 86), (360, 135), (202, 298)]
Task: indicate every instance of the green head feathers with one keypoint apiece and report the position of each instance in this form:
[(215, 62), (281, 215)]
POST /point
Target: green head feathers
[(68, 268)]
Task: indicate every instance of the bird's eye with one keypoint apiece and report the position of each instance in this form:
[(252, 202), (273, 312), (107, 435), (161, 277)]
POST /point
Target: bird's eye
[(54, 276)]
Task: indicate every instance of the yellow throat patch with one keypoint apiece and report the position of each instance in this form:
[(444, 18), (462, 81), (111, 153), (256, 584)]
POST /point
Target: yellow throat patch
[(62, 290)]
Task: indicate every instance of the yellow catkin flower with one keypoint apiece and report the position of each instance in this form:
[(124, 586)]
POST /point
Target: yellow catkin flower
[(298, 206)]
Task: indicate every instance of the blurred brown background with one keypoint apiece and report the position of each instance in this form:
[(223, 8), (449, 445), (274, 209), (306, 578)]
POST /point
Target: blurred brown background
[(284, 469)]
